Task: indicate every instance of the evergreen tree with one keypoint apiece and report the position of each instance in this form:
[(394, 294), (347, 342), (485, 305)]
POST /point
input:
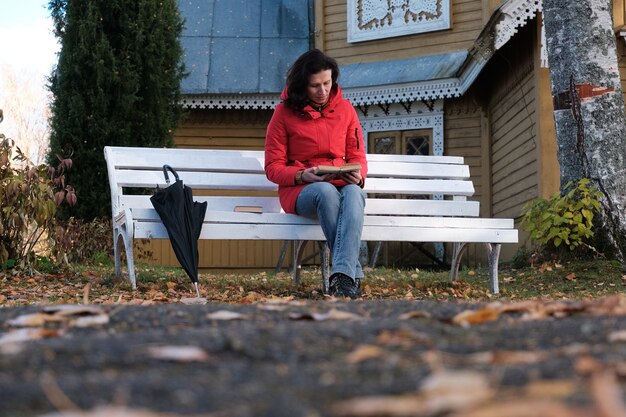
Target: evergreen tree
[(117, 82)]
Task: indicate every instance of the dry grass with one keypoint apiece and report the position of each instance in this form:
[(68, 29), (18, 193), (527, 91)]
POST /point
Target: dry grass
[(97, 284)]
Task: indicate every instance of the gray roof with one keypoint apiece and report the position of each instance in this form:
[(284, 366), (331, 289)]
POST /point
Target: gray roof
[(246, 46), (409, 70), (242, 46)]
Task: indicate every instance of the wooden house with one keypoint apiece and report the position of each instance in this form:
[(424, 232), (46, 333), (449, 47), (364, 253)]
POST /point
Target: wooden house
[(453, 77)]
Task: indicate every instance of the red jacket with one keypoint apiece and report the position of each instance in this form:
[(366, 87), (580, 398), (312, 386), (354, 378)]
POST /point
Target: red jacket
[(301, 139)]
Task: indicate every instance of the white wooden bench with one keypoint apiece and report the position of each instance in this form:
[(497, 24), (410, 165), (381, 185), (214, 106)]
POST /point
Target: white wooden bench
[(420, 217)]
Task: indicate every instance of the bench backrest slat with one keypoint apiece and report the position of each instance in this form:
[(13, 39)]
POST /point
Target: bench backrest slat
[(417, 177)]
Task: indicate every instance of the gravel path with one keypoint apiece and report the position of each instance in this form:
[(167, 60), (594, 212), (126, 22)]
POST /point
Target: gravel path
[(313, 359)]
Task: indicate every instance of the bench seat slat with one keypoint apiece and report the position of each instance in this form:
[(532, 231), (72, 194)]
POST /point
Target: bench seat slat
[(391, 221), (411, 207), (253, 231)]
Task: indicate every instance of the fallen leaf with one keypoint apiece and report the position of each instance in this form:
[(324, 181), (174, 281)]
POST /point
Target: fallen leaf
[(517, 357), (178, 353), (417, 314), (332, 314), (374, 406), (571, 276), (271, 307), (403, 338), (587, 365), (607, 394), (472, 317), (86, 292), (226, 315), (72, 310), (525, 408), (551, 389), (193, 300), (89, 321), (32, 320), (617, 336), (441, 393), (363, 353), (455, 390), (614, 305), (12, 342)]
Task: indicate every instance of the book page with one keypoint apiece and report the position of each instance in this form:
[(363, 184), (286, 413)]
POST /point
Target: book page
[(331, 169)]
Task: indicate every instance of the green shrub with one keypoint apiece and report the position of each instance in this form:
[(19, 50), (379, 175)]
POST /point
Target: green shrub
[(29, 197), (565, 219)]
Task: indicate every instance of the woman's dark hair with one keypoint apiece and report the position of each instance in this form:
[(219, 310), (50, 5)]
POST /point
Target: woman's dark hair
[(307, 64)]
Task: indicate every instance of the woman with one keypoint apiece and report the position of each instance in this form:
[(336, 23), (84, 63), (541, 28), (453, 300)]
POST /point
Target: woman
[(315, 125)]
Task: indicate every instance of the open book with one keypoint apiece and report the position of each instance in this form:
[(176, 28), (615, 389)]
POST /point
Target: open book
[(331, 169)]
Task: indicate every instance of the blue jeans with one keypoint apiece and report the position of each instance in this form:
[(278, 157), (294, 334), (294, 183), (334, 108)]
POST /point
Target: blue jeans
[(340, 213)]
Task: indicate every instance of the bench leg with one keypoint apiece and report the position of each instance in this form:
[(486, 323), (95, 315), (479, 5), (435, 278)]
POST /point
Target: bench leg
[(375, 252), (281, 257), (457, 252), (493, 253), (128, 247), (117, 255), (298, 250), (325, 265)]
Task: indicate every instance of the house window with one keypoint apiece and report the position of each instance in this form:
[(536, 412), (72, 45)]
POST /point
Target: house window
[(377, 19), (407, 142)]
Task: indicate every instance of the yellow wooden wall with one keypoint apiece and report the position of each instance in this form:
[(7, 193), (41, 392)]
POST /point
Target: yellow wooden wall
[(463, 136), (515, 135), (331, 34)]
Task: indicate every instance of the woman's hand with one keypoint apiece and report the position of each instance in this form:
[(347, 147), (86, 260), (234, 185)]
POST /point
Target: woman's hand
[(309, 176), (353, 177)]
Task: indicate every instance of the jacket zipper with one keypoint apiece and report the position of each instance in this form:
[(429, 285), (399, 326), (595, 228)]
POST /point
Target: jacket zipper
[(356, 136)]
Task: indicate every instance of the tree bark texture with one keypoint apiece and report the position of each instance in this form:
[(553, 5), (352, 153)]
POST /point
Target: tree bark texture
[(589, 106)]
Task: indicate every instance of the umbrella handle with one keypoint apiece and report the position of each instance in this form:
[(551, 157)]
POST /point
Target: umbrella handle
[(169, 168)]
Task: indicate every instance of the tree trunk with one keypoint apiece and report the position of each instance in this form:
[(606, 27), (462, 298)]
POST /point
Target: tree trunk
[(589, 106)]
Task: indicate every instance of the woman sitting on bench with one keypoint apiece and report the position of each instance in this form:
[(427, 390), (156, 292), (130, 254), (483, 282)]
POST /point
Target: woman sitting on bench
[(313, 126)]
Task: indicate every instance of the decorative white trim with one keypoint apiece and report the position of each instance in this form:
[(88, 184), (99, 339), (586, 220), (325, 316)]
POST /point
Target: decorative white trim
[(375, 19), (544, 47), (515, 13), (232, 101), (397, 93), (398, 119)]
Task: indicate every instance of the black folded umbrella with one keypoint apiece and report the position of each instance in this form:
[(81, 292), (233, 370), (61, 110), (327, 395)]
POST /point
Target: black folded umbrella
[(182, 218)]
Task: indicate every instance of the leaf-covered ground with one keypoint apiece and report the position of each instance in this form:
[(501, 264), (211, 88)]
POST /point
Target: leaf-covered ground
[(96, 284), (83, 343), (302, 358)]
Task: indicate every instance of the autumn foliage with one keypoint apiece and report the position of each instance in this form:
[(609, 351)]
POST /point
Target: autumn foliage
[(29, 197)]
